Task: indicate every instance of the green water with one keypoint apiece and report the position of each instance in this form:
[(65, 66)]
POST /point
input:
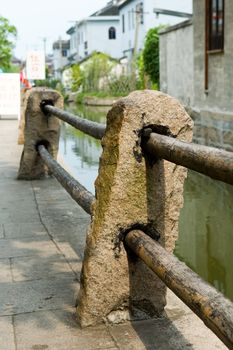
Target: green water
[(80, 151), (206, 222)]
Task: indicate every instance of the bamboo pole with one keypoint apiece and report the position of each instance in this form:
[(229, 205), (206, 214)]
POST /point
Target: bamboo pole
[(211, 306), (213, 162), (78, 192), (91, 128)]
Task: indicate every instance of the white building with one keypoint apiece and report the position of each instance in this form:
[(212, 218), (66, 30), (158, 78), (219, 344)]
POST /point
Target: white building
[(60, 56), (138, 16), (119, 29), (73, 51), (98, 33)]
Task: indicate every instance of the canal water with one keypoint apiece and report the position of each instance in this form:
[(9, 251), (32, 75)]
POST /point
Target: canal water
[(206, 222)]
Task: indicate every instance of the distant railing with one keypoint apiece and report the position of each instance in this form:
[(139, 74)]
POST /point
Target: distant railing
[(210, 305)]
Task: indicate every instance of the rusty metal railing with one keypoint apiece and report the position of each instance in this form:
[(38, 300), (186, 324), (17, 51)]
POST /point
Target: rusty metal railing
[(212, 162), (77, 191), (93, 129), (211, 306)]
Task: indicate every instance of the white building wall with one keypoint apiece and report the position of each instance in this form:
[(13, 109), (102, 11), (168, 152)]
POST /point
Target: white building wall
[(59, 63), (73, 43), (93, 36), (82, 37), (128, 29), (98, 37), (177, 63), (129, 37)]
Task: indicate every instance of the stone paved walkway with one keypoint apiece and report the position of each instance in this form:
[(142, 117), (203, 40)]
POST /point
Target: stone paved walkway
[(42, 237)]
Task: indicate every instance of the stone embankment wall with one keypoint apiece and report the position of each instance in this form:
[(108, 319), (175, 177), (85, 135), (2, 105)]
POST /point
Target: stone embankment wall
[(213, 128)]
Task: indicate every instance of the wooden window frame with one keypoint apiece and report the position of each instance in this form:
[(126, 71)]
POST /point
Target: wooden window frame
[(208, 49), (212, 40)]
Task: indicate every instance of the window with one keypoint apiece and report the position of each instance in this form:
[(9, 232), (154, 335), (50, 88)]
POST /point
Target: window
[(112, 33), (64, 53), (123, 23), (129, 20), (215, 25), (85, 45)]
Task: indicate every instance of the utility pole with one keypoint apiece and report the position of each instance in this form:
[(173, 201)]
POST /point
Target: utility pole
[(60, 56), (138, 14), (45, 41), (137, 25)]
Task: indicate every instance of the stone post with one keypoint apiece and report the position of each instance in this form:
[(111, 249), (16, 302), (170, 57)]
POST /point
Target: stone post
[(39, 128), (132, 192), (24, 94)]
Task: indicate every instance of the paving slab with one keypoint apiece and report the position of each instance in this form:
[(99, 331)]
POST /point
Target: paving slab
[(5, 271), (11, 204), (34, 268), (58, 330), (36, 246), (159, 334), (47, 191), (18, 217), (2, 231), (180, 330), (50, 294), (71, 256), (19, 230), (7, 334)]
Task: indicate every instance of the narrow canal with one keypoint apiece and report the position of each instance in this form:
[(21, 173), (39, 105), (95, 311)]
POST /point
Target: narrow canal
[(206, 221)]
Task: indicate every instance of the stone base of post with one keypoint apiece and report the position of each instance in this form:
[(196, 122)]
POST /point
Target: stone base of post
[(39, 128), (132, 192)]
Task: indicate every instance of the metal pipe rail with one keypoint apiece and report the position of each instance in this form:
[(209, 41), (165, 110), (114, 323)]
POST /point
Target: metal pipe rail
[(93, 129), (211, 306), (213, 162), (210, 161), (78, 192)]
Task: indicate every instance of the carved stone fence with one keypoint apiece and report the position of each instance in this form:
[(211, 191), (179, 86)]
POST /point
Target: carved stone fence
[(134, 215)]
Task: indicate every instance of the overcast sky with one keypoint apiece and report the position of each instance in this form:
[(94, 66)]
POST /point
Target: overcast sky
[(38, 19)]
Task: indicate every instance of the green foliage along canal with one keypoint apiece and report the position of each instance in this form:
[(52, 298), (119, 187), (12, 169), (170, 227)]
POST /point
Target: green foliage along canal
[(206, 221)]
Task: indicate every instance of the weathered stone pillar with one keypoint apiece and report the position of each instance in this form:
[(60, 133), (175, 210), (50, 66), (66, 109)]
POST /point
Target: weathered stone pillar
[(24, 94), (131, 192), (39, 128)]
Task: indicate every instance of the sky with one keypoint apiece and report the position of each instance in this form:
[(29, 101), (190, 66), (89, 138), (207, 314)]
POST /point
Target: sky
[(39, 19)]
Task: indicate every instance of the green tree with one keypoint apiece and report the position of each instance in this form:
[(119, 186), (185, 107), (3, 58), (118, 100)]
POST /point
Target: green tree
[(8, 34), (150, 55), (76, 77), (96, 72)]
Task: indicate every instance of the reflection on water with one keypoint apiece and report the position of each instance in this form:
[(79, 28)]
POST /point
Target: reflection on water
[(205, 230), (206, 221), (80, 151)]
